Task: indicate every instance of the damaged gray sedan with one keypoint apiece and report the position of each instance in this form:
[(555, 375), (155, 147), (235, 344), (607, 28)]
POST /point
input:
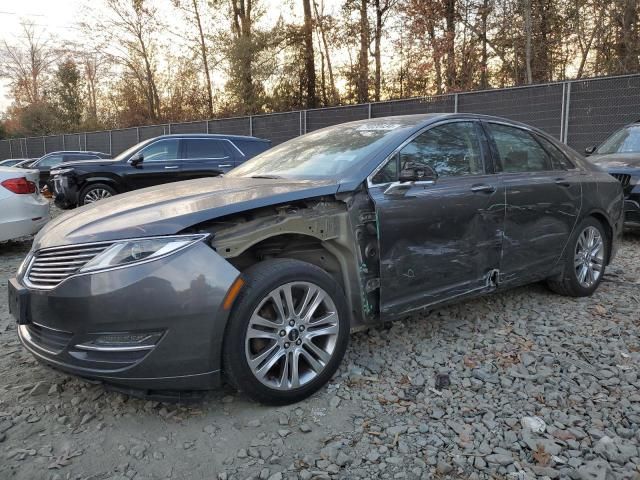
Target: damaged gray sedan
[(259, 276)]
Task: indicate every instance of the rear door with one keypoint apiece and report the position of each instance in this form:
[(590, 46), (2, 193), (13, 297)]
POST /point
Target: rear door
[(543, 200), (440, 239), (161, 164), (206, 157)]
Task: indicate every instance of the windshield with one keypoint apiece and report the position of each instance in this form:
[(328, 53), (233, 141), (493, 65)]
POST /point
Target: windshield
[(326, 153), (127, 153), (626, 140)]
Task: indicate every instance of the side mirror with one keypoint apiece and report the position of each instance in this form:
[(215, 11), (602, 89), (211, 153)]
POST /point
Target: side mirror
[(136, 160), (422, 173), (590, 150)]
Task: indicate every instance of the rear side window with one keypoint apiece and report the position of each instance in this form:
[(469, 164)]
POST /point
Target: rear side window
[(251, 148), (558, 159), (80, 156), (518, 151), (205, 148)]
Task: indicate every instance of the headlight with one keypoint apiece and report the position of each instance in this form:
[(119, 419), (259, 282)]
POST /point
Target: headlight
[(128, 252), (60, 171)]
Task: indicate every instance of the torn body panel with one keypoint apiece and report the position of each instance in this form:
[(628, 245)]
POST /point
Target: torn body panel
[(328, 232)]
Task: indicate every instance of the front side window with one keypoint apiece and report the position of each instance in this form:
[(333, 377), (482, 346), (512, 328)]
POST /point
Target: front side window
[(518, 151), (452, 149), (205, 148), (626, 140), (161, 151)]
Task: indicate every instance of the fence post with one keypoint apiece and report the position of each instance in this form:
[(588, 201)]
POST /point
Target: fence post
[(369, 109), (138, 134), (300, 123), (251, 125), (455, 102), (63, 147), (110, 142), (26, 148), (169, 126), (85, 141), (206, 122), (566, 114), (10, 149), (305, 122), (44, 145)]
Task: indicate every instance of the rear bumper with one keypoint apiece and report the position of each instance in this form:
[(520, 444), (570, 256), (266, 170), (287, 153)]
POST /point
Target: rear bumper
[(176, 301), (22, 215)]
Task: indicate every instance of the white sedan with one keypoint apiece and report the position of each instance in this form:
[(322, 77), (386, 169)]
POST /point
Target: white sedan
[(23, 211)]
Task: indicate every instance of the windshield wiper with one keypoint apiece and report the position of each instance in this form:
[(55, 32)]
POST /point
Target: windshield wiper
[(272, 177)]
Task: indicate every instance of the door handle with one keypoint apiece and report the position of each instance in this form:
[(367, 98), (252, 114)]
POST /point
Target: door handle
[(483, 187), (171, 167), (225, 165), (563, 182)]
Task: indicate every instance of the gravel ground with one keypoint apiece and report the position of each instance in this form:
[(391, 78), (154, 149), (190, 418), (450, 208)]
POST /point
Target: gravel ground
[(520, 385)]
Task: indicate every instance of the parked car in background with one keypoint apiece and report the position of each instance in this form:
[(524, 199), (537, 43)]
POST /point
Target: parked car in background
[(12, 162), (23, 211), (25, 163), (164, 159), (45, 163), (620, 156), (262, 273)]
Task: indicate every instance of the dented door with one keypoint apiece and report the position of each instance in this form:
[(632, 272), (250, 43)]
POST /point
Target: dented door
[(440, 239)]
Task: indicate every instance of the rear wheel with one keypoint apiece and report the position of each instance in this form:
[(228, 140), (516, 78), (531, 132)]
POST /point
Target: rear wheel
[(584, 260), (95, 192), (287, 333)]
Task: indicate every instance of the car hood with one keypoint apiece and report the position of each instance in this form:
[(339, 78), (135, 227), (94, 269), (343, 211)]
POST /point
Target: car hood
[(168, 209), (80, 163), (616, 160)]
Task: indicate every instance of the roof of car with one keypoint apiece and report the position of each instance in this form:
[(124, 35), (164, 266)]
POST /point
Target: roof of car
[(214, 135), (91, 152)]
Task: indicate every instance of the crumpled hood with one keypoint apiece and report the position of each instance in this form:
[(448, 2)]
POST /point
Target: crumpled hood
[(616, 160), (168, 209)]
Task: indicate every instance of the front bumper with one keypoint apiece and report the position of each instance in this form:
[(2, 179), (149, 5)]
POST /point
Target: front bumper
[(178, 297), (64, 190)]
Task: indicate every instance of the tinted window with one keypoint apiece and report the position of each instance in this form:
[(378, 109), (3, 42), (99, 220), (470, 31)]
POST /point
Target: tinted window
[(518, 150), (558, 159), (626, 140), (452, 149), (251, 148), (50, 161), (161, 151), (80, 156), (205, 148)]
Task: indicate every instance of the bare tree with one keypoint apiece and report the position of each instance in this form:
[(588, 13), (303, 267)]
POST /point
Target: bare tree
[(382, 8), (321, 25), (27, 64)]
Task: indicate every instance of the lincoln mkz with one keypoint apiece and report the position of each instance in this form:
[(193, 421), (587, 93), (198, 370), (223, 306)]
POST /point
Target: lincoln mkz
[(258, 276)]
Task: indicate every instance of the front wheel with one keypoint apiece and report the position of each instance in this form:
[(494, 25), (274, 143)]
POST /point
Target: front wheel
[(287, 333), (94, 192), (584, 260)]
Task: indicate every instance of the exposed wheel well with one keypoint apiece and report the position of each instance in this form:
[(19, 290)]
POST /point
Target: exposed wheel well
[(295, 246)]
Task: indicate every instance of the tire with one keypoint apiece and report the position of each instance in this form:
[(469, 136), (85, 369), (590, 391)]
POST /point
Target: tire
[(290, 338), (575, 266), (93, 191)]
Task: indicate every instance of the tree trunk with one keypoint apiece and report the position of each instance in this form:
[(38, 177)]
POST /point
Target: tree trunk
[(327, 56), (205, 60), (450, 20), (376, 54), (526, 7), (484, 73), (309, 59), (363, 57), (242, 23)]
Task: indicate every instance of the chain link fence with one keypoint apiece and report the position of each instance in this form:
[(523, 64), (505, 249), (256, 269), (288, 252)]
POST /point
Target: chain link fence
[(580, 113)]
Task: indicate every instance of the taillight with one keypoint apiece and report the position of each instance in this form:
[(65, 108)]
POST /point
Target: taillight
[(21, 186)]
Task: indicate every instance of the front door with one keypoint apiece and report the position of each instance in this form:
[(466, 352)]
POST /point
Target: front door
[(543, 193), (160, 164), (440, 239)]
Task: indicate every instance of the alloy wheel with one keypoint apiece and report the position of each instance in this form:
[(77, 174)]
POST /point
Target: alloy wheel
[(96, 194), (292, 335), (589, 257)]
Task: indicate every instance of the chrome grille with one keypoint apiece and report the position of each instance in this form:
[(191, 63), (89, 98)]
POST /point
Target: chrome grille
[(51, 266), (623, 178)]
